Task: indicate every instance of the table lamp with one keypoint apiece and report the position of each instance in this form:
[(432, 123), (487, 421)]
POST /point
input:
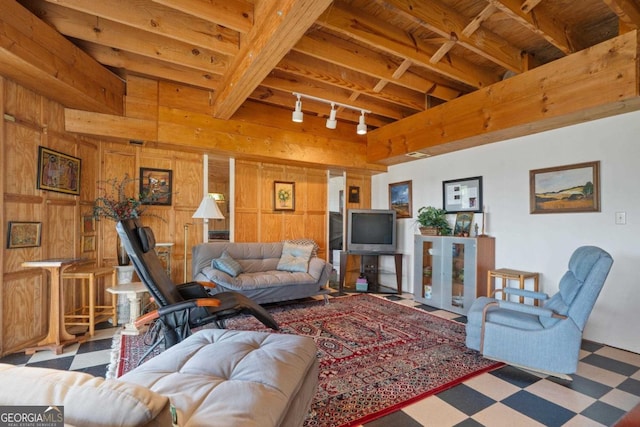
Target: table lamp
[(208, 209)]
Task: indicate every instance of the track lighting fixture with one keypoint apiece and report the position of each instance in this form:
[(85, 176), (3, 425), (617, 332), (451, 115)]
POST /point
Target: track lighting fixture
[(331, 121), (297, 115), (362, 126)]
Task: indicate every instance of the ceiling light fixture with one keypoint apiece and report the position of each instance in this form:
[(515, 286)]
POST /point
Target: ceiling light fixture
[(331, 121), (362, 126), (297, 115)]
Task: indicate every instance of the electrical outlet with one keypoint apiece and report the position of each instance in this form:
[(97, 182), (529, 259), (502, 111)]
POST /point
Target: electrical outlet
[(621, 218)]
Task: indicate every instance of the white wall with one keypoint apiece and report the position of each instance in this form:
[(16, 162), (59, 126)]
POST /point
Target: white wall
[(544, 242)]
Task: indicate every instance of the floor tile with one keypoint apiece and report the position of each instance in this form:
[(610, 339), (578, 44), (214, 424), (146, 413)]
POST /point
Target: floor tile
[(434, 412), (582, 421), (62, 363), (630, 386), (603, 413), (466, 399), (621, 399), (610, 364), (500, 415), (541, 410), (85, 360), (492, 386), (515, 376), (395, 419), (600, 375), (558, 394), (622, 355), (96, 345)]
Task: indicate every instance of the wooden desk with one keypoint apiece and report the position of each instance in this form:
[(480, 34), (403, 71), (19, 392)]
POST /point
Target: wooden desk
[(508, 274), (57, 336)]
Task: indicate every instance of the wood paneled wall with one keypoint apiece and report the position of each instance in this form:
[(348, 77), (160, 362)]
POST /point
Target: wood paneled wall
[(30, 120), (257, 221)]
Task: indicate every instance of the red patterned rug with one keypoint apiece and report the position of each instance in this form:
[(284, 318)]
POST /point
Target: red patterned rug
[(376, 356)]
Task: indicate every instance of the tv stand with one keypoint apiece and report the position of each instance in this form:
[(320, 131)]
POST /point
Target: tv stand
[(369, 267)]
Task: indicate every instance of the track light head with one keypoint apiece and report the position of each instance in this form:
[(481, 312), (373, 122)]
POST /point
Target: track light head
[(362, 126), (297, 115), (331, 121)]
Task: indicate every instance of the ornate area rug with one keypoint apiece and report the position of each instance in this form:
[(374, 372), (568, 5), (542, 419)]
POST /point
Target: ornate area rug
[(375, 356)]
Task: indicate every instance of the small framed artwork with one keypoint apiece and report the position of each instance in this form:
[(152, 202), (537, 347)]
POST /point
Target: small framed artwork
[(155, 186), (462, 195), (564, 189), (24, 234), (88, 243), (88, 224), (58, 171), (400, 199), (354, 194), (463, 224), (284, 196)]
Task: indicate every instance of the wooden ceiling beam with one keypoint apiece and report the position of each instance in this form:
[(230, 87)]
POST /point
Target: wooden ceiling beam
[(321, 71), (628, 12), (540, 22), (150, 67), (157, 19), (108, 33), (234, 14), (528, 5), (337, 51), (277, 28), (444, 20), (593, 83), (375, 32), (36, 56)]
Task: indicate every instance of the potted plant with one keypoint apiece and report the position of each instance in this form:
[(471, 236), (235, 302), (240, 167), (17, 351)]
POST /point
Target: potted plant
[(433, 221)]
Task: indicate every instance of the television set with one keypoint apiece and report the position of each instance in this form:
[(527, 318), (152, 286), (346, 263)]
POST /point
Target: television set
[(371, 230)]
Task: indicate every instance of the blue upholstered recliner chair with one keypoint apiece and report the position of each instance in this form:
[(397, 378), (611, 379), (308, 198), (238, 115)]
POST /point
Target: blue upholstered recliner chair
[(546, 338)]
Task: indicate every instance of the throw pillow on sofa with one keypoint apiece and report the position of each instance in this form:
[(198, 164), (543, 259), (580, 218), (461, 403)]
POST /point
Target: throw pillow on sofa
[(295, 258), (227, 264), (314, 251)]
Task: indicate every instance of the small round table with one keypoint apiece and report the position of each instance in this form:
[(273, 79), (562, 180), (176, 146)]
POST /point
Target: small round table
[(133, 292)]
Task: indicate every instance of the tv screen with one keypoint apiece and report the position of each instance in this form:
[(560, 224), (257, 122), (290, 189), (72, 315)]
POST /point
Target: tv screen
[(371, 230)]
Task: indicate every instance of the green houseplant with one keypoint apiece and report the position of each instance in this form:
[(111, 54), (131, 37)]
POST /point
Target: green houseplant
[(433, 221)]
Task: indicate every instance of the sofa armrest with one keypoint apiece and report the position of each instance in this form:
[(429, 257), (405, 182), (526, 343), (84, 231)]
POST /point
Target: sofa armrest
[(316, 267)]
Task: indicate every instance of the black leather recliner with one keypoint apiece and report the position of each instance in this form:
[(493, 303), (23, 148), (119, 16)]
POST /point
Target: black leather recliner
[(185, 306)]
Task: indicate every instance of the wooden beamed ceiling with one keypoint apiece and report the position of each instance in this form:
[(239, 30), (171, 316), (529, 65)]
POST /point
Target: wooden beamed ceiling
[(396, 58)]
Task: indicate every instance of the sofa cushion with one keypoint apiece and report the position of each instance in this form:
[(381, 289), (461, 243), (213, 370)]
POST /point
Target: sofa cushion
[(295, 257), (232, 378), (227, 264), (87, 400), (314, 251)]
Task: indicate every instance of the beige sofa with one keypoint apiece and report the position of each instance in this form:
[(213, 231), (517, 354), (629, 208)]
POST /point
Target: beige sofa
[(215, 377), (260, 277)]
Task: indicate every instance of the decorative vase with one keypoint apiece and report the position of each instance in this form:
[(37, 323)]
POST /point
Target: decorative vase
[(123, 257)]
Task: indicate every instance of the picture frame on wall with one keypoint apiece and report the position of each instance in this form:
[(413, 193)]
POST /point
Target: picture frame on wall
[(23, 234), (462, 195), (156, 186), (88, 244), (58, 171), (565, 189), (284, 196), (400, 199), (88, 224), (354, 194)]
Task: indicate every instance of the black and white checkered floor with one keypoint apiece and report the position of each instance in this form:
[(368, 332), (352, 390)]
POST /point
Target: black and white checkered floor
[(606, 386)]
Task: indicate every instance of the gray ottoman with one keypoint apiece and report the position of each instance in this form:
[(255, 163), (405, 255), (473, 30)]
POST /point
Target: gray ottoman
[(235, 378)]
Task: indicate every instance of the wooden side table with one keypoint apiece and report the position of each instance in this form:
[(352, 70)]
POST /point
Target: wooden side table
[(507, 274), (57, 336), (133, 293), (90, 313)]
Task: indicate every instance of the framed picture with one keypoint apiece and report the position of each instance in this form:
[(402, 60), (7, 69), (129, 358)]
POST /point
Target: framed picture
[(58, 171), (88, 224), (463, 224), (462, 195), (24, 234), (354, 194), (562, 189), (155, 186), (88, 243), (284, 196), (400, 199)]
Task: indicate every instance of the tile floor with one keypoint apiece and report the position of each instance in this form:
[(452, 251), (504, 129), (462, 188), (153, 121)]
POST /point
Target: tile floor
[(606, 386)]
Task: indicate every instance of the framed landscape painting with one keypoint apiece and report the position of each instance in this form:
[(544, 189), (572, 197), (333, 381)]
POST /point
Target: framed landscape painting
[(563, 189), (400, 199)]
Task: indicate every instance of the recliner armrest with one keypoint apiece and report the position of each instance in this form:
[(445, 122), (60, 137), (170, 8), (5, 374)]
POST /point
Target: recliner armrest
[(524, 293), (529, 309)]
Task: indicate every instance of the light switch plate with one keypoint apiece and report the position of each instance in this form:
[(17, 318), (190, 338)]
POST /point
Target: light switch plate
[(621, 218)]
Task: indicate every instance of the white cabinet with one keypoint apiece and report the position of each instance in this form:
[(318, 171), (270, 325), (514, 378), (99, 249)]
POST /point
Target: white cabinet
[(451, 272)]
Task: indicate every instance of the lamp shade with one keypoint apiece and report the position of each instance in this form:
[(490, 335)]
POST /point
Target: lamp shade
[(208, 209)]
